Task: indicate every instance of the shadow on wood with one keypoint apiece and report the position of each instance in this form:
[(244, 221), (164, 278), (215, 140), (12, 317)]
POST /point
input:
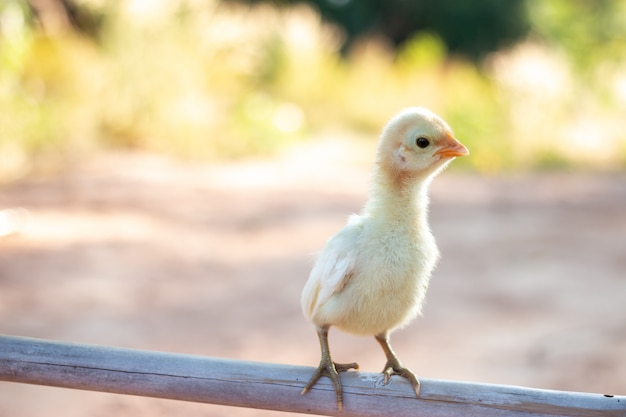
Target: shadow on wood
[(276, 387)]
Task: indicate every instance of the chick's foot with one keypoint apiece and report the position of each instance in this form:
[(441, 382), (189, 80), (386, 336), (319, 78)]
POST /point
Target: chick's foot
[(394, 366), (329, 368)]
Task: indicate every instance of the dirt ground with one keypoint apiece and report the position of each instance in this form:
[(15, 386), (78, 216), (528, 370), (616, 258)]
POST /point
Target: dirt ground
[(140, 251)]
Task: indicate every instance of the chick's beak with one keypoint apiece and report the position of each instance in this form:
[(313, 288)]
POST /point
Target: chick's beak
[(451, 148)]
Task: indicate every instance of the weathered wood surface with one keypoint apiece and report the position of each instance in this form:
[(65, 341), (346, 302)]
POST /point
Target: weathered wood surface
[(276, 387)]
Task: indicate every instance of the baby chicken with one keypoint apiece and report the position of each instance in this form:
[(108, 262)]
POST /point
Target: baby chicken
[(372, 276)]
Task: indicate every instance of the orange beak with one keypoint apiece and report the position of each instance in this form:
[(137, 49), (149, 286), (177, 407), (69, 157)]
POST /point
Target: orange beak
[(451, 148)]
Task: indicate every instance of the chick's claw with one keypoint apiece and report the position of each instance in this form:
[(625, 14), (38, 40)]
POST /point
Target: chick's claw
[(393, 365), (331, 369), (395, 368)]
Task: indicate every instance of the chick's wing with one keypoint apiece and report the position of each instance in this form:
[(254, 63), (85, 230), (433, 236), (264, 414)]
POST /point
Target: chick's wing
[(333, 268)]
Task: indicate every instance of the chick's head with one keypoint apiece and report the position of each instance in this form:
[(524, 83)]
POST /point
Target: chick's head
[(417, 144)]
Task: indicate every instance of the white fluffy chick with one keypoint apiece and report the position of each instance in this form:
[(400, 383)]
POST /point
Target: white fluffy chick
[(372, 276)]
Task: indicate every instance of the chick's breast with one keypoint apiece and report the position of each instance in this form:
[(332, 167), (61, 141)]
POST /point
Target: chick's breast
[(387, 283)]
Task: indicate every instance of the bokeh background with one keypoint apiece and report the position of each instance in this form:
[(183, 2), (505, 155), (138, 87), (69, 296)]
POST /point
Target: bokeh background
[(525, 83), (169, 168)]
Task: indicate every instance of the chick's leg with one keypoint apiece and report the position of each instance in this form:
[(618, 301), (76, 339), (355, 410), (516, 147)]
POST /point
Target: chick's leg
[(329, 368), (394, 366)]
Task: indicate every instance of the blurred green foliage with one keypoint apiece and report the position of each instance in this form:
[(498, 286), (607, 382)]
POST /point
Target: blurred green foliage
[(472, 29), (208, 79), (589, 33)]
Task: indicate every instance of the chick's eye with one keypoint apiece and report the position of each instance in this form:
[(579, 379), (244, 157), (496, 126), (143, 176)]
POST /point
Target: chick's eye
[(422, 142)]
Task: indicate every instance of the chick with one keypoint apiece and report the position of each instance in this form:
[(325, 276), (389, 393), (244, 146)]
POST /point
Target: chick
[(372, 276)]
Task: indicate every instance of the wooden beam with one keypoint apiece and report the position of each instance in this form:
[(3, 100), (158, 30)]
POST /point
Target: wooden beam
[(277, 387)]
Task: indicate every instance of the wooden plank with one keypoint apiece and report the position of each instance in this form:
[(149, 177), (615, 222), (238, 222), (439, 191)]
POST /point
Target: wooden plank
[(277, 387)]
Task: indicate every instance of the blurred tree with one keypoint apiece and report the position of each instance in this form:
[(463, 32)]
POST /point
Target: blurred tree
[(57, 16), (589, 32), (472, 29)]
